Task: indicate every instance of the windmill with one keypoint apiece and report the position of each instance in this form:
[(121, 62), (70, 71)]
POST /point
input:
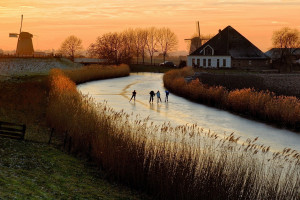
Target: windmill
[(24, 46), (196, 41)]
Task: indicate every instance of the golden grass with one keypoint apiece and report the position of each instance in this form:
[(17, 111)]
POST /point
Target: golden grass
[(282, 110), (97, 72), (182, 162)]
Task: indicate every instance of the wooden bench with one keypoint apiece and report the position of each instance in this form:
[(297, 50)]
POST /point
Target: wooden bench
[(11, 130)]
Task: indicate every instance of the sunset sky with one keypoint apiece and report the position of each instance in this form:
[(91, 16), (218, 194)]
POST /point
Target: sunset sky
[(51, 21)]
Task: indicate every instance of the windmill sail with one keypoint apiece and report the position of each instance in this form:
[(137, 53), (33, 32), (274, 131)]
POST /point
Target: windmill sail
[(197, 40), (24, 46), (13, 35)]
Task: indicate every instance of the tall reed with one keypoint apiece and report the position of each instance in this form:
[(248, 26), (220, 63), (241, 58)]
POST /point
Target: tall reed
[(182, 162), (282, 110), (97, 72)]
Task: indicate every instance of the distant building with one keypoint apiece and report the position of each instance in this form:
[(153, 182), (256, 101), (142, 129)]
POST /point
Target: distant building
[(228, 49), (39, 54), (88, 61), (275, 53)]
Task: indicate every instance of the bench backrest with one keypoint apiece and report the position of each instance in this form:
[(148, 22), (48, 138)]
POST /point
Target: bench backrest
[(11, 130)]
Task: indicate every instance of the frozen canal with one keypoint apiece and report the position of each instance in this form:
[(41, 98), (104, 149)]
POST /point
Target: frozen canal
[(180, 111)]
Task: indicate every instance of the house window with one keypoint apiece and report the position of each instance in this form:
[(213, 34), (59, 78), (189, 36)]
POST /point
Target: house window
[(198, 62), (250, 62), (208, 51), (224, 62), (193, 62), (218, 63), (209, 62), (204, 62)]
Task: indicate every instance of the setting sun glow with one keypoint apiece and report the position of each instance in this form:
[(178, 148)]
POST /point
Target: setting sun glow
[(52, 21)]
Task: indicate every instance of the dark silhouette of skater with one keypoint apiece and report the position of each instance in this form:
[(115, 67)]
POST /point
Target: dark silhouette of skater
[(152, 94), (133, 95), (158, 96), (167, 96)]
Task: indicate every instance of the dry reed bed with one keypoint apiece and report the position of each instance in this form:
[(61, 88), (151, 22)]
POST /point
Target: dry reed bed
[(264, 105), (97, 72), (144, 157)]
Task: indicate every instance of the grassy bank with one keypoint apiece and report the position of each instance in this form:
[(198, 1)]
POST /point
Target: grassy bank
[(38, 171), (266, 106), (32, 169), (168, 162)]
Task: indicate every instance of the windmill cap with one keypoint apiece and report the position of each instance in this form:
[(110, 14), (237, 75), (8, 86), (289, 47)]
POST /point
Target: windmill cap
[(25, 35)]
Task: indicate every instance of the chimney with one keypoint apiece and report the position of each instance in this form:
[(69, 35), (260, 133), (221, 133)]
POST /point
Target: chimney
[(219, 35)]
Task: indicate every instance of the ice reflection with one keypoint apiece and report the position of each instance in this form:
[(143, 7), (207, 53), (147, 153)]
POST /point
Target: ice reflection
[(180, 111)]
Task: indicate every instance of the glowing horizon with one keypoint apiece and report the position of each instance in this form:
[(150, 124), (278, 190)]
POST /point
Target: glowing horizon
[(52, 21)]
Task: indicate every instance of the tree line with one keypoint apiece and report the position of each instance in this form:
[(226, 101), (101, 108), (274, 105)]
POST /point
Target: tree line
[(122, 47)]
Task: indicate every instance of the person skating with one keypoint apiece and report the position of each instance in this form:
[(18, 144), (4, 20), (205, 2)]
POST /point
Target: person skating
[(152, 94), (158, 96), (167, 96), (133, 95)]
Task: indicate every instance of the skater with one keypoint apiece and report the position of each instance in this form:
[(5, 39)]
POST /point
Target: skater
[(158, 96), (133, 95), (152, 94), (167, 96)]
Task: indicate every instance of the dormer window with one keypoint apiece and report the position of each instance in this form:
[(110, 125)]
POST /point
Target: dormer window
[(208, 51)]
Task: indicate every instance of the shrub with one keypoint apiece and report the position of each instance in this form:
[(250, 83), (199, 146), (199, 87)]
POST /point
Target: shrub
[(282, 110)]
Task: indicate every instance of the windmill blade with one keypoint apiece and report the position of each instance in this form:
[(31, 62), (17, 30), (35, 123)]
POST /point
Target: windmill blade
[(21, 23), (13, 34), (198, 28)]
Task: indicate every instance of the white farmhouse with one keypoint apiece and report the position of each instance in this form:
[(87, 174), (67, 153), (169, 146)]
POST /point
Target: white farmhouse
[(228, 49)]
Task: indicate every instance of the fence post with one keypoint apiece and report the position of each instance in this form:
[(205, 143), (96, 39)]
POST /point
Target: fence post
[(23, 131), (52, 130), (65, 139), (70, 144), (90, 151)]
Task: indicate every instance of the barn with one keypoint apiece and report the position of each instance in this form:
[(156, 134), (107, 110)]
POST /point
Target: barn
[(228, 49)]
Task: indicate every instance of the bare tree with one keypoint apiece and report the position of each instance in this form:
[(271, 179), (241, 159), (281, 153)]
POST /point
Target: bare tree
[(144, 37), (167, 40), (107, 46), (115, 47), (128, 45), (287, 40), (123, 46), (71, 46), (138, 36), (151, 42)]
